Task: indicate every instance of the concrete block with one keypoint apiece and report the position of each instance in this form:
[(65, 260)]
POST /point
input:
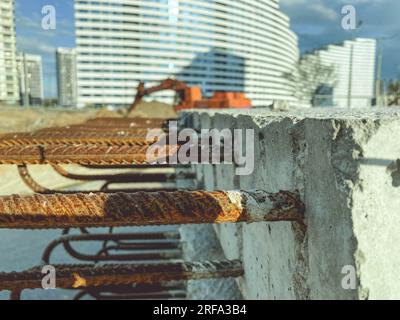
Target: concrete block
[(346, 165)]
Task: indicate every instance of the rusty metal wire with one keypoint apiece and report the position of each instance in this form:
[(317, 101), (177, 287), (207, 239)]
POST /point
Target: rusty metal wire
[(146, 208), (129, 293), (141, 166), (127, 177), (128, 122), (38, 188), (83, 128), (85, 276), (166, 243), (30, 182), (83, 154)]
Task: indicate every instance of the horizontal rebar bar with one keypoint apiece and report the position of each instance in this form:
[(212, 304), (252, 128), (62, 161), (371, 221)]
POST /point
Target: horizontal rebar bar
[(127, 122), (147, 208), (141, 166), (83, 276), (84, 128), (74, 137), (83, 154)]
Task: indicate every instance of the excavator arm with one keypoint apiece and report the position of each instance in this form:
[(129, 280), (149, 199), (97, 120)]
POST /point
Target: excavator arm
[(168, 84)]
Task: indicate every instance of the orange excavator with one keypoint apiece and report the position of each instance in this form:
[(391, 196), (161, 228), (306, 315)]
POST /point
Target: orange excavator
[(192, 98)]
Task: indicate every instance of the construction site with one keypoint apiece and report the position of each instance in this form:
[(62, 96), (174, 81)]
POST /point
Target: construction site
[(197, 150), (80, 195)]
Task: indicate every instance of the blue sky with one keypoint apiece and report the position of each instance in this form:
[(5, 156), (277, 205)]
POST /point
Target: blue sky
[(317, 22), (32, 38)]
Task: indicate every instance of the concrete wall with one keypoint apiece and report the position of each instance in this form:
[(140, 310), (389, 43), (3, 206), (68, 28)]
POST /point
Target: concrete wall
[(346, 165)]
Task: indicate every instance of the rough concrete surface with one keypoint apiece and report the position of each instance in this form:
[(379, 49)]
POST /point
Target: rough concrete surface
[(346, 165)]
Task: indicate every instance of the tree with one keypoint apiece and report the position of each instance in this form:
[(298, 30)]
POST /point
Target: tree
[(308, 76), (394, 93)]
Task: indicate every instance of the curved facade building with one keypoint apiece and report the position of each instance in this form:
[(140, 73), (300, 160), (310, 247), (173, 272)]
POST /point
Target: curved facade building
[(222, 45)]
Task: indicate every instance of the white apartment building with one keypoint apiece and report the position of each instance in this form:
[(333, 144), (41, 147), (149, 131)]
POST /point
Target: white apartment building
[(30, 75), (66, 77), (222, 45), (354, 71), (9, 93)]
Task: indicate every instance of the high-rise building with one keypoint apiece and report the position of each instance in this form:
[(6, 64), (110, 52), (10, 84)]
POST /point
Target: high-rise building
[(222, 45), (8, 67), (66, 77), (353, 63), (30, 74)]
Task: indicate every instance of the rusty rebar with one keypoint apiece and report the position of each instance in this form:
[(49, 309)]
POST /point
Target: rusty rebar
[(117, 239), (84, 276), (73, 137), (88, 129), (84, 154), (147, 208), (170, 290), (143, 176), (31, 183), (157, 295), (141, 166), (128, 122)]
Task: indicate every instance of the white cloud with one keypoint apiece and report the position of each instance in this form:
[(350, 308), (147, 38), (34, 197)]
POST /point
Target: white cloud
[(34, 45), (310, 10)]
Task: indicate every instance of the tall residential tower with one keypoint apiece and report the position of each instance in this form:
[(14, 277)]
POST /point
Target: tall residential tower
[(221, 45), (8, 68), (353, 63), (30, 75), (66, 77)]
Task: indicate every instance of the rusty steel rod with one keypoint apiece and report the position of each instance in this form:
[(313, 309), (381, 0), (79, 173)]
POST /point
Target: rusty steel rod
[(113, 238), (84, 154), (157, 295), (129, 122), (127, 176), (140, 166), (147, 208), (84, 276), (31, 183), (83, 128), (76, 138), (144, 291)]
